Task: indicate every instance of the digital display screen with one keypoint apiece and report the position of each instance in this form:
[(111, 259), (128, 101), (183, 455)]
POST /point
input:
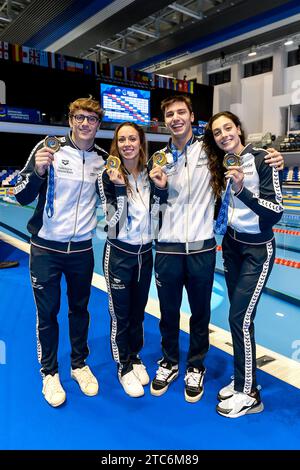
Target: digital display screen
[(125, 104)]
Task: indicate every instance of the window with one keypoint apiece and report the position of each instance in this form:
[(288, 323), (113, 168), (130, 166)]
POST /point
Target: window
[(258, 67), (294, 57), (218, 78)]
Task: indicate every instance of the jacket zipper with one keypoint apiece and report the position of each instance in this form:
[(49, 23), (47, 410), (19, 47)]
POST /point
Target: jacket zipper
[(141, 246), (77, 205), (189, 196)]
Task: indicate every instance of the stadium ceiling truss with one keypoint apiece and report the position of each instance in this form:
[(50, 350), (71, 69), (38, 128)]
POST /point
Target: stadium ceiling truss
[(127, 32), (163, 23)]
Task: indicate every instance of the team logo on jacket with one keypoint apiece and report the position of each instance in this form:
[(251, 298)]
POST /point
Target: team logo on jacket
[(65, 162), (202, 161)]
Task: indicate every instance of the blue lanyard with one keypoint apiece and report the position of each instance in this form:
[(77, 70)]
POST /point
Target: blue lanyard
[(222, 219), (177, 153), (50, 194)]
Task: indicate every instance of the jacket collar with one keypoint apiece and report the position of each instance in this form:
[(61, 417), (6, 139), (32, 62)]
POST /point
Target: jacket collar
[(192, 140), (71, 142)]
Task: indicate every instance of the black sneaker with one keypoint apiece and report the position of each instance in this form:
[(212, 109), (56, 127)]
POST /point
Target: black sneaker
[(165, 375), (193, 384)]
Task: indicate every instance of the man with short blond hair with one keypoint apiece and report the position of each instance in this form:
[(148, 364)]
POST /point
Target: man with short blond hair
[(62, 174)]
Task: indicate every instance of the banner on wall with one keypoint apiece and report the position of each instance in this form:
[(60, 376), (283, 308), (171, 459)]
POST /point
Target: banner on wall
[(9, 113)]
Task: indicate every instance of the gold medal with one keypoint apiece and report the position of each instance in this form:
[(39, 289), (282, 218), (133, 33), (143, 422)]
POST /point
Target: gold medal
[(52, 142), (159, 158), (113, 163), (231, 159)]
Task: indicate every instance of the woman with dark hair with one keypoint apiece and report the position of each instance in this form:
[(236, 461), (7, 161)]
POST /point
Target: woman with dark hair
[(131, 198), (255, 205)]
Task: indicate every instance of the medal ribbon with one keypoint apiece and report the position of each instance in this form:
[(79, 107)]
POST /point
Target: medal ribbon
[(176, 153), (50, 194), (222, 219)]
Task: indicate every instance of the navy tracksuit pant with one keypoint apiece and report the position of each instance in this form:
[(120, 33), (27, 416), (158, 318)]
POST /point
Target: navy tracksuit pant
[(128, 278), (247, 268), (195, 272), (46, 269)]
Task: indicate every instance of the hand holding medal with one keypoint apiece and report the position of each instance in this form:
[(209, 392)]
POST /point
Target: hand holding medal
[(113, 163), (157, 175), (159, 158), (52, 143), (44, 156), (114, 171), (231, 159), (234, 173)]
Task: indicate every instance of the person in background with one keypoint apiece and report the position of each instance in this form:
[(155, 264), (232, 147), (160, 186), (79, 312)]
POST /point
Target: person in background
[(131, 198), (185, 248), (64, 181), (248, 248)]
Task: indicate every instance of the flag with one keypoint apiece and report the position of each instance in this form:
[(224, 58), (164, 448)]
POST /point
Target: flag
[(16, 52), (4, 50), (88, 67), (79, 67), (130, 74), (191, 86), (44, 62), (51, 60), (180, 85), (168, 83), (25, 55), (60, 61), (145, 77), (107, 69), (119, 72), (34, 57), (70, 66)]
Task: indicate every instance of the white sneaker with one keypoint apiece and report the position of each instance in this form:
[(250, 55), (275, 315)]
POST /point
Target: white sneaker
[(226, 392), (52, 390), (141, 373), (240, 404), (132, 385), (86, 380)]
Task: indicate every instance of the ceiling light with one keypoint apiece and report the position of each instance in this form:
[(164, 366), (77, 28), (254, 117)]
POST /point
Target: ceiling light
[(186, 11), (112, 49), (288, 42), (135, 29), (252, 52)]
